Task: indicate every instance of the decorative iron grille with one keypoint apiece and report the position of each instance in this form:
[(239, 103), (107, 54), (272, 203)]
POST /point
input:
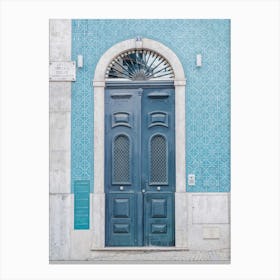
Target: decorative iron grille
[(139, 65), (121, 160), (158, 160)]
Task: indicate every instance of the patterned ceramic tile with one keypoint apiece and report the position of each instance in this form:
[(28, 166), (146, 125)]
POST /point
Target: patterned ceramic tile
[(207, 90)]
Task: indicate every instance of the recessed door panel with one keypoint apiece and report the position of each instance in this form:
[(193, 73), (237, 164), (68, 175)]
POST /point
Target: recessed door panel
[(121, 217), (159, 219)]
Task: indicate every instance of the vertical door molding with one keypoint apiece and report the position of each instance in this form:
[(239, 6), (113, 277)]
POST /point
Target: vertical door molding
[(98, 215), (180, 135)]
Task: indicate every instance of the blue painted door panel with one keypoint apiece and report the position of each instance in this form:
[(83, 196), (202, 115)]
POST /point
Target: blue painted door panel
[(121, 210), (122, 139), (139, 166), (158, 165), (122, 172), (158, 146), (159, 219)]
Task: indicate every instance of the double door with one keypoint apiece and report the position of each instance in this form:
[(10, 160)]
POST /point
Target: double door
[(139, 165)]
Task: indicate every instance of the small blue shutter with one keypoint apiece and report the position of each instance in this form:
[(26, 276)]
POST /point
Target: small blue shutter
[(81, 205)]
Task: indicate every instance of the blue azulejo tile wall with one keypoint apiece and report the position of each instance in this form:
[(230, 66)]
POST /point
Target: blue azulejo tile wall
[(207, 91)]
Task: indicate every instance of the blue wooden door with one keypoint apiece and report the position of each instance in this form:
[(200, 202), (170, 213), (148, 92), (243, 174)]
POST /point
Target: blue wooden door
[(158, 165), (139, 165)]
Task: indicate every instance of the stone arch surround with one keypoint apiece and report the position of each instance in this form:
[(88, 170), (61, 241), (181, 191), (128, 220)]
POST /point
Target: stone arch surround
[(99, 82)]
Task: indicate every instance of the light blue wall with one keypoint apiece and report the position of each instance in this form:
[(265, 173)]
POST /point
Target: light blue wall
[(207, 91)]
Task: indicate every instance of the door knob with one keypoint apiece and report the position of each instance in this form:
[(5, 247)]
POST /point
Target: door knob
[(121, 188), (143, 190), (158, 188)]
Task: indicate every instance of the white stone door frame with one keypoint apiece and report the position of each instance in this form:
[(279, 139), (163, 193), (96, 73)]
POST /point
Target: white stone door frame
[(98, 209)]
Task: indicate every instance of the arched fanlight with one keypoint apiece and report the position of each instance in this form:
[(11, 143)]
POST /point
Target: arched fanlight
[(139, 65)]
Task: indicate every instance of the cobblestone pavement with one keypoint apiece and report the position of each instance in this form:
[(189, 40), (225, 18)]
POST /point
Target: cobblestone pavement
[(164, 256)]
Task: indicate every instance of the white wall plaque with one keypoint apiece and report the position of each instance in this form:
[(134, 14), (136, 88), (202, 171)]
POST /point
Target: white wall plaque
[(62, 71)]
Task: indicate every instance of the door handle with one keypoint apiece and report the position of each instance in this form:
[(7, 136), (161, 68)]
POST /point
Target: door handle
[(158, 188), (143, 190), (121, 188)]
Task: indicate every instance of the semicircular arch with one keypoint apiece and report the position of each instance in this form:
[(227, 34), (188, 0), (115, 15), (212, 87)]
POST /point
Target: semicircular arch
[(132, 44)]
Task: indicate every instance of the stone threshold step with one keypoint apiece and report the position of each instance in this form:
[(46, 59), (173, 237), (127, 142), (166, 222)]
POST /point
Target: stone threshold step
[(152, 248)]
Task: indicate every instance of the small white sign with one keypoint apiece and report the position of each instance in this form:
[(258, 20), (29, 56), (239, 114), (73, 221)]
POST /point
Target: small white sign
[(191, 180), (62, 71)]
